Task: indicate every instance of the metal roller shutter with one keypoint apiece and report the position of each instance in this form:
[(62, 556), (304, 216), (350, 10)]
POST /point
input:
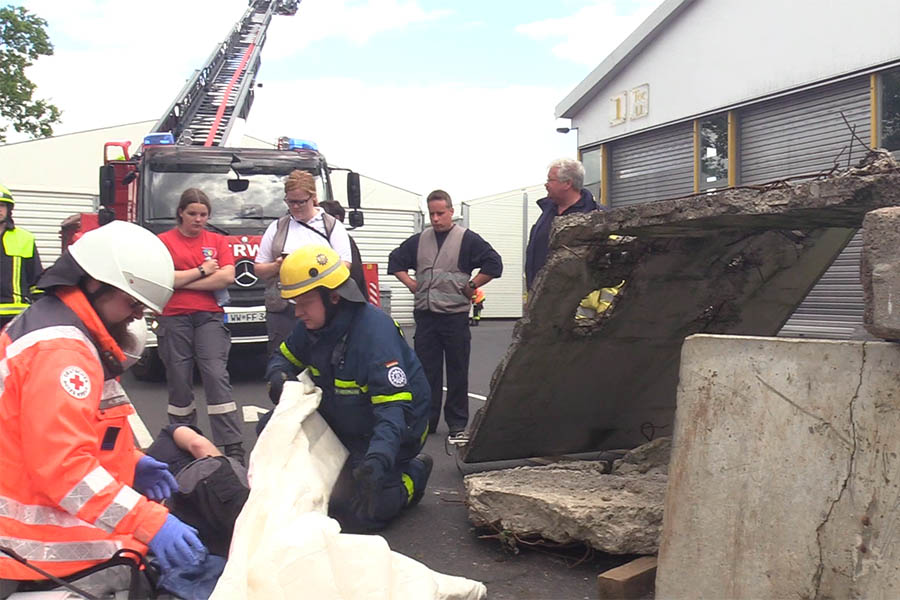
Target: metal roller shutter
[(384, 230), (805, 133), (42, 213), (652, 166), (834, 307), (501, 221)]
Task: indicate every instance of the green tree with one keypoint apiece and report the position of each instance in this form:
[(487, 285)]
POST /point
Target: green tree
[(23, 38)]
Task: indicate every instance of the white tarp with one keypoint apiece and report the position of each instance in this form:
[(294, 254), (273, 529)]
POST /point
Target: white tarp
[(285, 546)]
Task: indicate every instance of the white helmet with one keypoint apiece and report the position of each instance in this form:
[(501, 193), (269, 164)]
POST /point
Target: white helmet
[(130, 258)]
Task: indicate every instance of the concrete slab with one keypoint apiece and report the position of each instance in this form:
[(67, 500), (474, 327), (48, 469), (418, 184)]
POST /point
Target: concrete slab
[(880, 272), (737, 261), (571, 502), (785, 473)]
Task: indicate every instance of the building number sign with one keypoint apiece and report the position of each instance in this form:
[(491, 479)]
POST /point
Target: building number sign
[(629, 105)]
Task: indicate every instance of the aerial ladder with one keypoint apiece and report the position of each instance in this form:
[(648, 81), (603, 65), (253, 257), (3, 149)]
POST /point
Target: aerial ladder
[(221, 92)]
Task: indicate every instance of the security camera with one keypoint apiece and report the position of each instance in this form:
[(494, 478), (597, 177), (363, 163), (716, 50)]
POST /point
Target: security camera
[(563, 130)]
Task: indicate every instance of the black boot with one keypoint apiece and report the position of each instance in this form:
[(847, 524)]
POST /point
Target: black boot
[(236, 451)]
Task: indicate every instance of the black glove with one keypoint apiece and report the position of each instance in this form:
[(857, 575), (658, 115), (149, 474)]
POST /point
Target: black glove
[(368, 477), (276, 385)]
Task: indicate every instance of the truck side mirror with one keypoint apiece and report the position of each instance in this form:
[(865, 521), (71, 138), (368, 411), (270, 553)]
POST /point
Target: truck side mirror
[(353, 192), (238, 185), (356, 219), (107, 185)]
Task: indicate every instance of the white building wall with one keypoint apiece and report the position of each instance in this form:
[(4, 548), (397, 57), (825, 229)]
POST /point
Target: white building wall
[(719, 53), (504, 221)]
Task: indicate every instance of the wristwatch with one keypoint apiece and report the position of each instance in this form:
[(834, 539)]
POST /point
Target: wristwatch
[(202, 272), (472, 285)]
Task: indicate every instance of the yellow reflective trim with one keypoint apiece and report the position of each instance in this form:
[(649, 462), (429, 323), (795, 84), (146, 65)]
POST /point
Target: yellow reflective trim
[(392, 397), (313, 370), (424, 435), (17, 279), (12, 308), (349, 384), (290, 356), (408, 484)]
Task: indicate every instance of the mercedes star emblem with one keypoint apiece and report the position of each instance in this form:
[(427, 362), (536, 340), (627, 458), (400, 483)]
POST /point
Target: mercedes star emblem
[(244, 275)]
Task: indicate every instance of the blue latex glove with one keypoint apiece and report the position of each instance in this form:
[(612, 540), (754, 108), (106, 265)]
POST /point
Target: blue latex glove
[(177, 545), (368, 477), (152, 479)]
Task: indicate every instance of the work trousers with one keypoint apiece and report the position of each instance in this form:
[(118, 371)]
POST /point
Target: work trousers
[(439, 338), (200, 338), (279, 326), (399, 484)]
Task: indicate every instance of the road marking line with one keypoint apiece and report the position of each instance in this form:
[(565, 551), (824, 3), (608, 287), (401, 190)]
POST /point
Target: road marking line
[(251, 413), (473, 396)]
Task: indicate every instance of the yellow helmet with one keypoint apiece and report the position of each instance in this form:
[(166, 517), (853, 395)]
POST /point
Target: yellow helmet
[(6, 196), (311, 267)]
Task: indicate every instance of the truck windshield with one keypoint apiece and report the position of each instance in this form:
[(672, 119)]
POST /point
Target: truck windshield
[(262, 201)]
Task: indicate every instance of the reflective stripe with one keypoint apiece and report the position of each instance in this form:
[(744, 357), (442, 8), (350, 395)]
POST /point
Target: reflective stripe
[(221, 409), (93, 483), (408, 484), (46, 334), (344, 387), (181, 411), (113, 395), (290, 356), (35, 514), (61, 551), (313, 370), (17, 279), (392, 397), (12, 308), (123, 503), (312, 280)]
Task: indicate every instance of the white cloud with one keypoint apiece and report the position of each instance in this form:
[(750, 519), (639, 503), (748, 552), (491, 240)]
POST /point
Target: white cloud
[(471, 141), (356, 22), (592, 33)]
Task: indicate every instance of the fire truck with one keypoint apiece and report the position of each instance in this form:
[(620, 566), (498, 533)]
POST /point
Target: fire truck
[(189, 147)]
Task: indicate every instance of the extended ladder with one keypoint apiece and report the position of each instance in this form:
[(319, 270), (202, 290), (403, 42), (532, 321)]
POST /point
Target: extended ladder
[(222, 91)]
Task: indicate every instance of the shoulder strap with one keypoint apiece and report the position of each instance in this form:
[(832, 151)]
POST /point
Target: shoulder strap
[(281, 232), (311, 228)]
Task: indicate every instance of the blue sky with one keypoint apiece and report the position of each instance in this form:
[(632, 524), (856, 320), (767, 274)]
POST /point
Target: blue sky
[(418, 93)]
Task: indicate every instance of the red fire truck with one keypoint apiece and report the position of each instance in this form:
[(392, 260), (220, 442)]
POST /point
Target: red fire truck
[(189, 147)]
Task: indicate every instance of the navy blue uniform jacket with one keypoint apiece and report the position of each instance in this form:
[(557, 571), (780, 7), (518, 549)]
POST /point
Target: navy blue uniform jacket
[(374, 393)]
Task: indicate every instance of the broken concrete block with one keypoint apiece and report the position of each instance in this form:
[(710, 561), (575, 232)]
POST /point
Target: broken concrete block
[(571, 502), (736, 262), (880, 272), (785, 473), (652, 457), (632, 581)]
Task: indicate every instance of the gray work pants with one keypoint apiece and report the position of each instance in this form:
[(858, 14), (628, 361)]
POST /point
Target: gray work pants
[(200, 338), (279, 326)]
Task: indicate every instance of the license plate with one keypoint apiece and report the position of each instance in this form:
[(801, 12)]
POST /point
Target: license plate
[(258, 316)]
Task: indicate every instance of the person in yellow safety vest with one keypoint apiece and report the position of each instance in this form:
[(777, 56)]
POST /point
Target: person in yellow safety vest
[(477, 307), (20, 264), (597, 302)]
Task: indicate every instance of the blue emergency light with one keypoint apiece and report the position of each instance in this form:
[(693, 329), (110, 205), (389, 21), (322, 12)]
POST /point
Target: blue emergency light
[(289, 143), (159, 139)]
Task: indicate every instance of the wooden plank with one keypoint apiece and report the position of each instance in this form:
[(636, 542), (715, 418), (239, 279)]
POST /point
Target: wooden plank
[(631, 581)]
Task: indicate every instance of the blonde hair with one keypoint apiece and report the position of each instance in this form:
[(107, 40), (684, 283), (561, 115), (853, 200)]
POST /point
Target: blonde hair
[(300, 180)]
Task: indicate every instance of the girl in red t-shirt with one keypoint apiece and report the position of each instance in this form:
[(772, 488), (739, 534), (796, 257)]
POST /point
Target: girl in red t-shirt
[(192, 328)]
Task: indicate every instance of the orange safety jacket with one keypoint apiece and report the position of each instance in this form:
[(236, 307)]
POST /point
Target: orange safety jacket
[(67, 454)]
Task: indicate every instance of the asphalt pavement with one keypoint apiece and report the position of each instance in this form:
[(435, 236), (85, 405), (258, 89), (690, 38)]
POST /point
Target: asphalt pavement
[(437, 532)]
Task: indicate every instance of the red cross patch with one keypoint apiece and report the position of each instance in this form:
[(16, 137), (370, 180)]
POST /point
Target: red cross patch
[(76, 382)]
